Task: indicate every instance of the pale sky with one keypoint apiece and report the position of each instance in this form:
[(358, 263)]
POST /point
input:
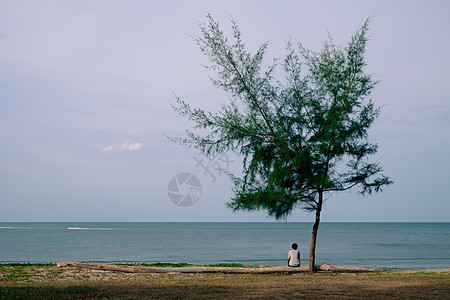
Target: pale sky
[(86, 89)]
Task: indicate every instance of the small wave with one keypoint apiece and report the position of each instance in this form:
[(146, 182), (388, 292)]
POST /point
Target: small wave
[(9, 227), (84, 228)]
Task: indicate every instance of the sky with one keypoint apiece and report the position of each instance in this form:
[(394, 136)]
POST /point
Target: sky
[(87, 88)]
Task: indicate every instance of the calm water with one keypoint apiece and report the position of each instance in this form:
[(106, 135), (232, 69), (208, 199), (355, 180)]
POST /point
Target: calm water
[(397, 245)]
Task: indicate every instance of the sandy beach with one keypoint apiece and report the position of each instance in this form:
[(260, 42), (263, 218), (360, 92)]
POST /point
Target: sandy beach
[(52, 282)]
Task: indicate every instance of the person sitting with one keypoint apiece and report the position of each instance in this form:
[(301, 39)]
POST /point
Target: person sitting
[(294, 256)]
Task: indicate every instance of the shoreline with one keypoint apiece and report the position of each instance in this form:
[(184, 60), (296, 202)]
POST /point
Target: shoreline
[(185, 264), (172, 265)]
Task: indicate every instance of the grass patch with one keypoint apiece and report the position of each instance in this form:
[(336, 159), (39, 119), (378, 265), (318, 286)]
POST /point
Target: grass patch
[(10, 277), (158, 264), (390, 285), (28, 264)]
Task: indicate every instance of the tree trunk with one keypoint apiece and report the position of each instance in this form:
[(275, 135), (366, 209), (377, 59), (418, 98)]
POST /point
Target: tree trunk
[(312, 250)]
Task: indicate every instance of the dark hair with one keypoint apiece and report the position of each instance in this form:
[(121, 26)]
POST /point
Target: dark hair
[(294, 246)]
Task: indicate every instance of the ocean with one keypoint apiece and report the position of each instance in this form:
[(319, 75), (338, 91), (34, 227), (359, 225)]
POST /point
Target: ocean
[(393, 245)]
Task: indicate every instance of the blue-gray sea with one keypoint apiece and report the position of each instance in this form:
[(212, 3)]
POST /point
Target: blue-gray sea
[(394, 245)]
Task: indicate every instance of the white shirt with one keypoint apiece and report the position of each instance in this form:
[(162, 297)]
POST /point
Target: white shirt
[(294, 258)]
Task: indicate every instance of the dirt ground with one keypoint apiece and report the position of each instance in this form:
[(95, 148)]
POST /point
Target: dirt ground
[(51, 282)]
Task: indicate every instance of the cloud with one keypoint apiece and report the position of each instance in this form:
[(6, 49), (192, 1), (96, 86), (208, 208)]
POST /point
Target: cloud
[(125, 146)]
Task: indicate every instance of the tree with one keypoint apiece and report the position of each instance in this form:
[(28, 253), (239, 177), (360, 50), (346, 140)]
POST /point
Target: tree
[(302, 138)]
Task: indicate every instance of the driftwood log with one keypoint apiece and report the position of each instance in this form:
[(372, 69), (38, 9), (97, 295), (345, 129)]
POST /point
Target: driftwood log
[(198, 269)]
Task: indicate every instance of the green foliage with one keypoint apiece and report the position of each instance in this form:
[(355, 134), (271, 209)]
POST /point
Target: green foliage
[(28, 264), (301, 136)]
